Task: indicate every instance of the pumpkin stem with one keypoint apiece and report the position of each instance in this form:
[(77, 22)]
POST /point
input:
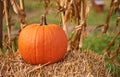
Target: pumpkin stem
[(44, 20)]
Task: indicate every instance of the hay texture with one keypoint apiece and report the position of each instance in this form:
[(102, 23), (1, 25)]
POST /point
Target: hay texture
[(74, 64)]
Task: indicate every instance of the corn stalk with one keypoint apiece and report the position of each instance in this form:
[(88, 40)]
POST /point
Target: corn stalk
[(107, 50), (80, 30), (85, 14), (112, 57), (118, 21), (65, 8), (106, 26), (8, 24), (117, 5), (115, 54), (5, 6), (1, 23), (19, 10)]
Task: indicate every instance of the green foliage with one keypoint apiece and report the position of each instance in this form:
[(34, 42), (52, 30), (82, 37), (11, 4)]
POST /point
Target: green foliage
[(98, 43), (95, 19)]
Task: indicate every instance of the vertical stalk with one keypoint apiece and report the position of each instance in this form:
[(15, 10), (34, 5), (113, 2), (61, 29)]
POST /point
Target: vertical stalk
[(22, 14), (65, 14), (19, 10), (85, 12), (22, 4), (7, 19), (76, 42), (1, 24), (118, 20), (106, 26), (63, 4), (83, 31), (64, 23), (106, 51)]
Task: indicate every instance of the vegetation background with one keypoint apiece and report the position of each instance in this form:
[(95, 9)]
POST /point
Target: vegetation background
[(95, 41), (34, 10)]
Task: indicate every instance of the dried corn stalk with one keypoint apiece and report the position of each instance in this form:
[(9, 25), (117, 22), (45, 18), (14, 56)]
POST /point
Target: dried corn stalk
[(112, 57), (114, 4), (8, 23), (19, 10), (115, 53), (117, 10), (118, 21), (1, 24), (107, 50), (5, 7), (65, 9), (80, 30), (106, 26)]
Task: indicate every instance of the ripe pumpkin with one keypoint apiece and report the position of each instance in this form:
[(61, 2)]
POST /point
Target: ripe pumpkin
[(41, 43)]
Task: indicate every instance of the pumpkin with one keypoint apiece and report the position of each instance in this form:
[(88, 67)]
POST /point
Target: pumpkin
[(42, 43)]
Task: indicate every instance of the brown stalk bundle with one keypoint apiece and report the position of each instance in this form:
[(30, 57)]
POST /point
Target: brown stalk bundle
[(80, 30), (19, 10), (6, 11), (1, 23), (86, 64), (65, 7), (5, 6)]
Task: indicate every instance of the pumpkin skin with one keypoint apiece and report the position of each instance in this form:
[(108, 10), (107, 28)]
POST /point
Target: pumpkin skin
[(42, 44)]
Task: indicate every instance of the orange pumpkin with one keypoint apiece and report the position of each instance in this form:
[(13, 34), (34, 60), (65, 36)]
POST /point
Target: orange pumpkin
[(40, 44)]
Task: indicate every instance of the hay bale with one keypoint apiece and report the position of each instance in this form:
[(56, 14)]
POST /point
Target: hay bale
[(74, 64)]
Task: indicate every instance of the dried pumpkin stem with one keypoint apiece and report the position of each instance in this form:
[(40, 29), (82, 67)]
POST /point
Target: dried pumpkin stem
[(43, 20)]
